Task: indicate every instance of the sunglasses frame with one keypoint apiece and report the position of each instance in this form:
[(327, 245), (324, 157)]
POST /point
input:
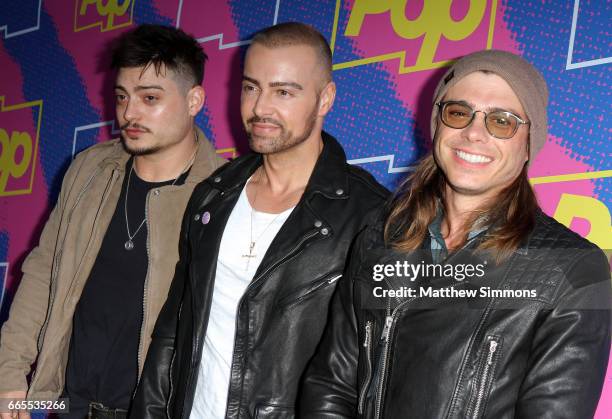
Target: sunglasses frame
[(441, 105)]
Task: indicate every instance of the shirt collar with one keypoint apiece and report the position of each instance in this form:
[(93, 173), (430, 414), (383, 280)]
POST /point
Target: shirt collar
[(435, 227)]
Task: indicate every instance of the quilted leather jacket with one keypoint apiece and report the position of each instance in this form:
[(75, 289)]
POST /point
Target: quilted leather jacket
[(530, 339), (282, 314)]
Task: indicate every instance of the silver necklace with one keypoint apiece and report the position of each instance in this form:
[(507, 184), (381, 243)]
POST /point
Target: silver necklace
[(252, 242), (129, 244)]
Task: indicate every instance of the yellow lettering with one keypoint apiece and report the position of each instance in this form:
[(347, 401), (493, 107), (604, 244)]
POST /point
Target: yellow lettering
[(594, 211), (8, 165), (433, 22), (109, 9), (84, 4), (361, 8)]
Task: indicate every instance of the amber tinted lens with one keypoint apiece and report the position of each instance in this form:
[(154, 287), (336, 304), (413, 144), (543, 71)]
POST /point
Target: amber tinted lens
[(456, 115), (501, 124)]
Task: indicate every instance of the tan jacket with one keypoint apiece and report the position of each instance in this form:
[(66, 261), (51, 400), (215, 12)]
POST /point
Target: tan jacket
[(54, 273)]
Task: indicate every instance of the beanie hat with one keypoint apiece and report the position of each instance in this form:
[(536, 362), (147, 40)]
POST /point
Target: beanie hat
[(526, 82)]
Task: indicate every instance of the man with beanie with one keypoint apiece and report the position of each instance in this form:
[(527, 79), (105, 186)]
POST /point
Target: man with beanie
[(508, 313)]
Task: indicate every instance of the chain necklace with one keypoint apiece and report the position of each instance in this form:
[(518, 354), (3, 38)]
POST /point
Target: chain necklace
[(129, 244), (252, 242)]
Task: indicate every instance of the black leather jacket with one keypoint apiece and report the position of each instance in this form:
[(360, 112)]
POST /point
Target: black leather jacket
[(282, 315), (494, 356)]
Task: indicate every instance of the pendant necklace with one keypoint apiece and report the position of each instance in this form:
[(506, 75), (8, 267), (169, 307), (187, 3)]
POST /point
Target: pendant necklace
[(129, 244), (252, 242)]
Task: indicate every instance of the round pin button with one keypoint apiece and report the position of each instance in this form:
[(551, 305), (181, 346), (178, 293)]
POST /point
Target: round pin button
[(205, 217)]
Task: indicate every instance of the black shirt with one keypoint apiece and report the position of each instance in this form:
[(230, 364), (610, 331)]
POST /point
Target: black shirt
[(103, 355)]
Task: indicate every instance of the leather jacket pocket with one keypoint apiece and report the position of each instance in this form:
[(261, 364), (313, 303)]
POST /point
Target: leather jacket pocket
[(308, 290), (483, 378), (270, 411)]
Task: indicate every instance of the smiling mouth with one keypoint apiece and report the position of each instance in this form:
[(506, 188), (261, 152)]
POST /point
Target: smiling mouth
[(472, 158)]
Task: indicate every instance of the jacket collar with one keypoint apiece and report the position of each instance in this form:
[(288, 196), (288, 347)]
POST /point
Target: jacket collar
[(202, 166), (329, 177)]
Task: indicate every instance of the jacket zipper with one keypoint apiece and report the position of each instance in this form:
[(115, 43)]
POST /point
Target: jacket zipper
[(387, 332), (254, 282), (145, 290), (321, 284), (389, 322), (367, 344), (485, 375)]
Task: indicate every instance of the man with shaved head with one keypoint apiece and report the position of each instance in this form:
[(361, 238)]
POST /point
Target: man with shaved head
[(264, 243)]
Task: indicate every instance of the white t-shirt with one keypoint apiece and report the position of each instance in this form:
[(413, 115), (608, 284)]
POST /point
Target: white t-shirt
[(235, 270)]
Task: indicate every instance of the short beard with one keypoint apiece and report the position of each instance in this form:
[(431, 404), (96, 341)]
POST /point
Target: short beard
[(136, 151), (286, 139), (139, 151)]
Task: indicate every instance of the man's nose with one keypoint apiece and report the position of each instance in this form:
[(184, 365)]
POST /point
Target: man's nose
[(477, 129)]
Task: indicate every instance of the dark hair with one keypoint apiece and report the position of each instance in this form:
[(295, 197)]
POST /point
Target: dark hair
[(159, 46), (296, 33)]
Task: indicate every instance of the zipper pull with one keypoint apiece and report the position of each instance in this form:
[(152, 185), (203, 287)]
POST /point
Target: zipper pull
[(385, 333), (492, 349), (334, 279), (368, 329)]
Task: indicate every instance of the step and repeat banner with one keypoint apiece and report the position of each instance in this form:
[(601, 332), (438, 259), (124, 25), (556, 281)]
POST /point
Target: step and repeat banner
[(56, 93)]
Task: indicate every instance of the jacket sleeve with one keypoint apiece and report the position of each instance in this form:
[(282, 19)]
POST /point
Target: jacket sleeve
[(570, 349), (20, 333), (153, 391), (330, 384)]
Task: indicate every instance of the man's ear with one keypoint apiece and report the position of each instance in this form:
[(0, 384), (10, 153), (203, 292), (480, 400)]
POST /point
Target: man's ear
[(195, 99), (326, 98)]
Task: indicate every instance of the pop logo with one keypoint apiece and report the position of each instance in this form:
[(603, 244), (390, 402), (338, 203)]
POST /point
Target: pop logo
[(18, 146), (107, 14), (437, 22)]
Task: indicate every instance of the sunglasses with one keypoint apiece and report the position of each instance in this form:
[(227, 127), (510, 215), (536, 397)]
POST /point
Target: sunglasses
[(500, 124)]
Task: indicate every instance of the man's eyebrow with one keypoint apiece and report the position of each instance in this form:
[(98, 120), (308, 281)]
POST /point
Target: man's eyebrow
[(275, 83), (488, 108), (461, 101), (149, 87), (286, 84), (250, 80), (511, 110), (139, 88)]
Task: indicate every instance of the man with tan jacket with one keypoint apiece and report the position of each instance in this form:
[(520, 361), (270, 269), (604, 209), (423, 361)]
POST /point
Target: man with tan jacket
[(93, 287)]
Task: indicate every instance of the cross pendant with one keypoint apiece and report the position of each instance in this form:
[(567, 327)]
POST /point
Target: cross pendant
[(250, 255)]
